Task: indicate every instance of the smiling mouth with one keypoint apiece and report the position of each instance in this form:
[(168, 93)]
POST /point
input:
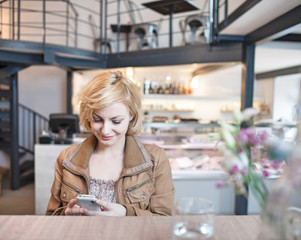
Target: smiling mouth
[(106, 137)]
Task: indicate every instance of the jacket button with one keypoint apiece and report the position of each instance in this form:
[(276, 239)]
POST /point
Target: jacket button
[(143, 196), (64, 195)]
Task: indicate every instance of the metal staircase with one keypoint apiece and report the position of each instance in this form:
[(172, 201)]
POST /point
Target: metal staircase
[(20, 128)]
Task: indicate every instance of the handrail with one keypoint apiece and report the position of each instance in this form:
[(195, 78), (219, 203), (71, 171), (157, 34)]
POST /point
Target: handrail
[(75, 16), (33, 124), (61, 29)]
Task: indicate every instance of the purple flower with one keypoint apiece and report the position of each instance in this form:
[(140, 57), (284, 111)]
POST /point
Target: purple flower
[(243, 136), (220, 184), (265, 173), (263, 135), (244, 172), (254, 140), (239, 149), (276, 163), (234, 169)]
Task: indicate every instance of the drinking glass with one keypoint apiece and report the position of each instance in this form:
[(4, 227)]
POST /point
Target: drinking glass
[(196, 219)]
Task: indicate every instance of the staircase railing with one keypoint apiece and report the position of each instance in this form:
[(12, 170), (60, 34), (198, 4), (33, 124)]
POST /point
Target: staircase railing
[(31, 125), (60, 22)]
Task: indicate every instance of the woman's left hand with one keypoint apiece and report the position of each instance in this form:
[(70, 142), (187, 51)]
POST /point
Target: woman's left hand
[(108, 209)]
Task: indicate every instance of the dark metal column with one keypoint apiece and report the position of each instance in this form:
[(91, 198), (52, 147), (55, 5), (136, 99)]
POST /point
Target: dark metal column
[(247, 89), (69, 92), (44, 22), (247, 84), (100, 26), (19, 19), (14, 131), (171, 10)]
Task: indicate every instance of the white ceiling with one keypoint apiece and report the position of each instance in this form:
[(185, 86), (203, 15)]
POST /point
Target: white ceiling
[(262, 13), (269, 55)]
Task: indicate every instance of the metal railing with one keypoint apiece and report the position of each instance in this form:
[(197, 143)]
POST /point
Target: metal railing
[(31, 125), (48, 21), (112, 26), (128, 24)]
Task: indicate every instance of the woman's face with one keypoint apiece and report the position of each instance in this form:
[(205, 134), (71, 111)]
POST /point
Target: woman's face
[(110, 124)]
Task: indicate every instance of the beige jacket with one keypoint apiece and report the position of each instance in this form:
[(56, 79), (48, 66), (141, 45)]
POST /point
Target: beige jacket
[(144, 188)]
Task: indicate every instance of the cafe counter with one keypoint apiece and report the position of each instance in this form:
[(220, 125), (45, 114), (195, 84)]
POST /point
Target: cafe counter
[(193, 183)]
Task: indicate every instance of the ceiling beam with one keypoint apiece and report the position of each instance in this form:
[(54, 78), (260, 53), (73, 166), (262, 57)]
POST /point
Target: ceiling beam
[(290, 38), (279, 72), (241, 10), (21, 57), (202, 53), (278, 27), (9, 70)]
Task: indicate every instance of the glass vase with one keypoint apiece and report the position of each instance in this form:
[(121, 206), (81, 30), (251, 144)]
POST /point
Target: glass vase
[(282, 213)]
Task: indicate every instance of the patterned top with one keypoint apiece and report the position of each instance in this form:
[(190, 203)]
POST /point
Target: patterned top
[(103, 189)]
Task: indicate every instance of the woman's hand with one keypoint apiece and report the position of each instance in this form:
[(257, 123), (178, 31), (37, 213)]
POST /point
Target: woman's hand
[(108, 209), (74, 209)]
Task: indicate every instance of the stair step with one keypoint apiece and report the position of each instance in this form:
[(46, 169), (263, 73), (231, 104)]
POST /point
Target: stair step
[(4, 124), (26, 172), (27, 165), (5, 81), (5, 135), (4, 87), (4, 114), (4, 93), (4, 144), (27, 178)]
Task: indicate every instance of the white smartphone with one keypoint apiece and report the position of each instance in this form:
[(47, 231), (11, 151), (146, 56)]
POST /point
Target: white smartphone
[(88, 202)]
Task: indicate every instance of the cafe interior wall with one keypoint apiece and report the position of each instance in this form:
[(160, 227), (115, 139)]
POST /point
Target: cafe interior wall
[(214, 99)]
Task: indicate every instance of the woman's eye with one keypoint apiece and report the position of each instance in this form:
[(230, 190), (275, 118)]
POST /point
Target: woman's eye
[(116, 122), (96, 120)]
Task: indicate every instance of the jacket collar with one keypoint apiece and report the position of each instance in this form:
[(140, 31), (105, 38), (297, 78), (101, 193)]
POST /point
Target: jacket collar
[(136, 158)]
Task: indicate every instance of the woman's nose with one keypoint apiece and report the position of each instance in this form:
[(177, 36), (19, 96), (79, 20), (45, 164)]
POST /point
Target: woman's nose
[(106, 128)]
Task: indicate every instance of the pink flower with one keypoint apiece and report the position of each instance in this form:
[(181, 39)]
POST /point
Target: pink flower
[(263, 135), (234, 169), (220, 184), (276, 163), (244, 172), (265, 173), (243, 136)]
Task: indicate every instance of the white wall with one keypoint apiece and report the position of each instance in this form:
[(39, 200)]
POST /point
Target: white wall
[(43, 88), (286, 89), (218, 91)]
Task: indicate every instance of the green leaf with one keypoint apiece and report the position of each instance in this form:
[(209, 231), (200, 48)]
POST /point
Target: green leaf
[(228, 139), (237, 115)]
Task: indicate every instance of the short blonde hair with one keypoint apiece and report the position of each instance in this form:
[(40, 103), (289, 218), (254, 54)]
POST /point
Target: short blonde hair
[(108, 88)]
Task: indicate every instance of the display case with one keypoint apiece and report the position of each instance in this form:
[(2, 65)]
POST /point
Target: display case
[(194, 159)]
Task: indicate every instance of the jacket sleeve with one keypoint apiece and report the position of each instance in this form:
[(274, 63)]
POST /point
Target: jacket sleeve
[(55, 206), (162, 200)]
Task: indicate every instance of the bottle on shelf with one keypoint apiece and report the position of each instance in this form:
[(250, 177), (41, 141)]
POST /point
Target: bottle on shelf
[(146, 85)]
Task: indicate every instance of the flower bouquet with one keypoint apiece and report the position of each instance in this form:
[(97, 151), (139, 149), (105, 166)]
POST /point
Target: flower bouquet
[(245, 158)]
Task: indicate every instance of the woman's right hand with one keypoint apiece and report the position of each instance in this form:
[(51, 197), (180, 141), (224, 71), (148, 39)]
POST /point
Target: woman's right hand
[(74, 209)]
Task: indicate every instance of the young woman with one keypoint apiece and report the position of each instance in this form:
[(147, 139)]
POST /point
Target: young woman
[(128, 177)]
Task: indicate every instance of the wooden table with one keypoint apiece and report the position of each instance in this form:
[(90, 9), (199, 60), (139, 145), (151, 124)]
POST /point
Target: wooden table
[(132, 228)]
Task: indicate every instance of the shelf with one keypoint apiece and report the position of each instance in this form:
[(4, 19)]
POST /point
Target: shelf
[(180, 124), (192, 97), (190, 146), (168, 110)]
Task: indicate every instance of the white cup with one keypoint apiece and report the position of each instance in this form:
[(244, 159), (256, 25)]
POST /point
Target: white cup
[(196, 219)]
